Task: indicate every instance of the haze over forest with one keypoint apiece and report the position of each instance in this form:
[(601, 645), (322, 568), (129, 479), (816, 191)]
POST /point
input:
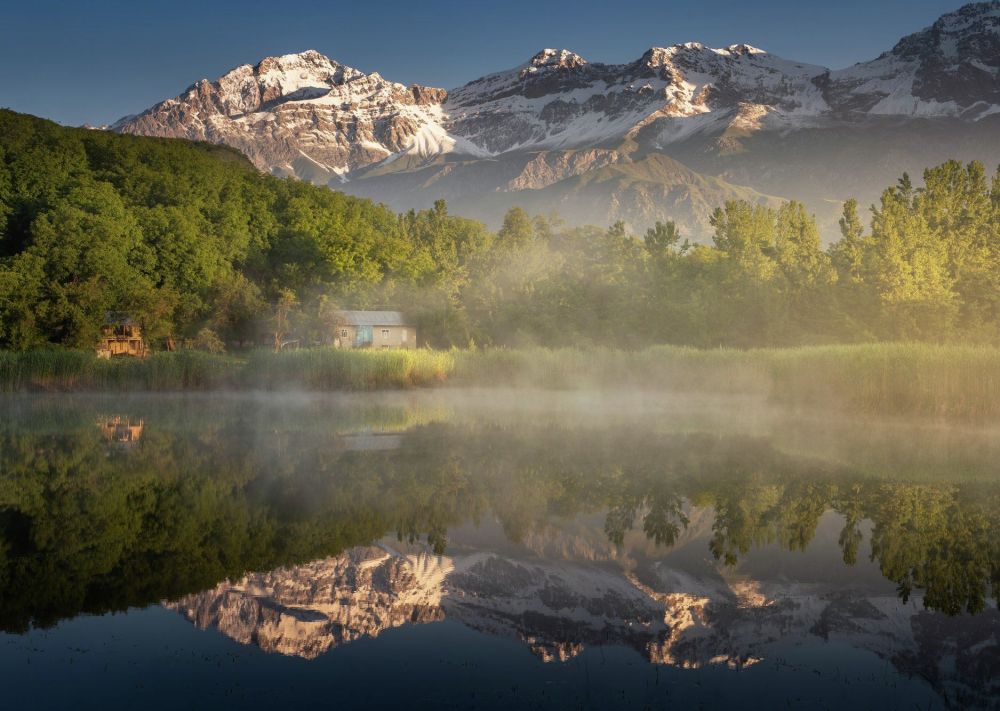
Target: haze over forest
[(695, 196), (664, 380)]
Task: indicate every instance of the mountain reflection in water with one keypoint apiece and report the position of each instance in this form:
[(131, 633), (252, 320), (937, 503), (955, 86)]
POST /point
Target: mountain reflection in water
[(695, 535)]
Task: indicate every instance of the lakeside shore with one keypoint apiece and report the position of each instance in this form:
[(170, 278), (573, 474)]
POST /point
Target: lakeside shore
[(941, 381)]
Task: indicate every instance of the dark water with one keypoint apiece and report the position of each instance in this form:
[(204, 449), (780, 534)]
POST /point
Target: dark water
[(492, 550)]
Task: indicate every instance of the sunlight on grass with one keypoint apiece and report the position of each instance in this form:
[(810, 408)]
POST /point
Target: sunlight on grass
[(951, 381)]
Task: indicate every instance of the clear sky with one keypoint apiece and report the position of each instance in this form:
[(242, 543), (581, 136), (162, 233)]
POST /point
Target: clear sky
[(94, 61)]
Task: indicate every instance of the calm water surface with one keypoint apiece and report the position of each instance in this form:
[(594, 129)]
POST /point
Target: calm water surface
[(485, 549)]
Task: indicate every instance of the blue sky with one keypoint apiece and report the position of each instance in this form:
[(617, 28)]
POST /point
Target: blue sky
[(93, 61)]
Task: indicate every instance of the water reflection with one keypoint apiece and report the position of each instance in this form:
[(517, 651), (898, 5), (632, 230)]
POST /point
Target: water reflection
[(671, 615), (695, 537), (122, 430)]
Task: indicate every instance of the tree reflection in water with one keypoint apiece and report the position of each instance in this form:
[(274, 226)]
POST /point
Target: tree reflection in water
[(211, 492)]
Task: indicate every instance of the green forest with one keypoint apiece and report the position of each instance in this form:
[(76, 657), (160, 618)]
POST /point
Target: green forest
[(197, 245)]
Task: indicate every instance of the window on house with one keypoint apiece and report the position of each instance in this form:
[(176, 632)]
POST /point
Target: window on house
[(385, 334), (343, 333)]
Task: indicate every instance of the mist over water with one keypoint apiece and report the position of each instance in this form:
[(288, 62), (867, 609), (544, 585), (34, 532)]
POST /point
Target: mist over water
[(485, 546), (665, 384)]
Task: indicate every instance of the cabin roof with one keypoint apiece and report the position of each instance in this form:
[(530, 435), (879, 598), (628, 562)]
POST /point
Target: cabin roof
[(118, 318), (372, 318)]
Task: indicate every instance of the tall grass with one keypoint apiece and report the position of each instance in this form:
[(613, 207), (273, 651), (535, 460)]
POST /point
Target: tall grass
[(332, 369), (659, 367), (63, 370), (314, 369), (944, 381)]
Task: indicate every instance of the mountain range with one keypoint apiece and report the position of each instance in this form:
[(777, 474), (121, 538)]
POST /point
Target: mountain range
[(670, 135)]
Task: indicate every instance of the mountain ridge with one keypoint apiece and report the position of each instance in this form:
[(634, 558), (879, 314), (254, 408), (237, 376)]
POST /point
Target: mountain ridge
[(311, 117)]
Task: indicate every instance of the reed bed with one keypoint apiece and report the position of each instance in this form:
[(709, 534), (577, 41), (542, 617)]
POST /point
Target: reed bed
[(313, 369), (332, 369), (943, 381), (940, 381), (906, 379), (66, 370), (659, 367)]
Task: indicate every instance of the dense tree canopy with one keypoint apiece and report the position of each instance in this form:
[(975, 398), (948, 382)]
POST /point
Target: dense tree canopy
[(187, 236), (195, 244)]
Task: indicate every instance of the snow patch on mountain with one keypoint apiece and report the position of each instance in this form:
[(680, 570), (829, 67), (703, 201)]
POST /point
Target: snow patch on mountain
[(947, 69), (307, 115)]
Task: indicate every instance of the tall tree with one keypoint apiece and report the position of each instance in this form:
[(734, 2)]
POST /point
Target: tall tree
[(911, 268), (517, 230), (849, 253)]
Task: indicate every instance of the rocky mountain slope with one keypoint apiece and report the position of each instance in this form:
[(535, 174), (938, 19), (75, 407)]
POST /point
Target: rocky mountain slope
[(668, 135)]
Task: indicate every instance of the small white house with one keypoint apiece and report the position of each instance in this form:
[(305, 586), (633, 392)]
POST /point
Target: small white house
[(373, 329)]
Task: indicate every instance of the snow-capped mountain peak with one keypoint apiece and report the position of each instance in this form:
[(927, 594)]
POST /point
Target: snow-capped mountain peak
[(306, 115), (301, 114), (555, 58), (744, 49), (951, 68), (560, 58), (298, 76), (305, 106)]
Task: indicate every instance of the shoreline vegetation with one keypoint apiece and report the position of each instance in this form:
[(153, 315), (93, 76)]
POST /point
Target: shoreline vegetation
[(198, 248), (193, 244), (960, 382)]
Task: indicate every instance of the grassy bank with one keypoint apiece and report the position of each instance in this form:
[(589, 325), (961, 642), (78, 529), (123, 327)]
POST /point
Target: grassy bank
[(331, 369), (952, 382), (659, 367), (68, 370), (313, 369), (945, 381)]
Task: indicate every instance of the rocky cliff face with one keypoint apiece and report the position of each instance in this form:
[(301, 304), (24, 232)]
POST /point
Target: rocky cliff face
[(948, 69), (557, 117), (558, 607), (301, 114)]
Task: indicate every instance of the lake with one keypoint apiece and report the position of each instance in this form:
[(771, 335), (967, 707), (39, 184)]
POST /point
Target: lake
[(492, 549)]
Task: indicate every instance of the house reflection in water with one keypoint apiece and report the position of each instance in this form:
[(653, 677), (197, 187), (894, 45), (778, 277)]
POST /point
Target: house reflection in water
[(122, 430)]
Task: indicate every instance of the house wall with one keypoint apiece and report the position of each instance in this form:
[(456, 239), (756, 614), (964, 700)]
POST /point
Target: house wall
[(121, 341), (344, 336), (123, 346), (382, 337)]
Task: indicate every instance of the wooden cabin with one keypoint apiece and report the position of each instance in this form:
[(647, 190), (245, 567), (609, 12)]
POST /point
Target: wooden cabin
[(121, 337), (373, 329)]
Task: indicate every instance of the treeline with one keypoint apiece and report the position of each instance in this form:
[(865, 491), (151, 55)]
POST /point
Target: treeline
[(195, 244), (924, 266)]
